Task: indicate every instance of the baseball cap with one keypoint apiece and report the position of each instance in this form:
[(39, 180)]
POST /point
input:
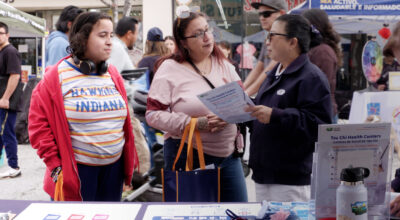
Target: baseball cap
[(155, 34), (275, 4)]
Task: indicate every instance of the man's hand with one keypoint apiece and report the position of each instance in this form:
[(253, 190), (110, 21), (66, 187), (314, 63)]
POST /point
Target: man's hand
[(4, 103), (261, 112), (11, 85)]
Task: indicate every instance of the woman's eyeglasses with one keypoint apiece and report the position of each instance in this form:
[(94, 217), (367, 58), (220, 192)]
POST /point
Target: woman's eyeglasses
[(271, 34), (266, 14), (200, 34)]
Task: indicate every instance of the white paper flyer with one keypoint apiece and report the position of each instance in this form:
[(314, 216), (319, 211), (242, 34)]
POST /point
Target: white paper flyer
[(228, 103)]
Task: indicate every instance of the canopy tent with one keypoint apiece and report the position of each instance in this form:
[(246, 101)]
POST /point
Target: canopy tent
[(20, 23), (258, 37), (356, 16), (223, 35)]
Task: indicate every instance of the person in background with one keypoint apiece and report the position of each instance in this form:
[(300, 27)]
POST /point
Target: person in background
[(170, 44), (226, 49), (126, 34), (196, 66), (292, 101), (79, 120), (10, 70), (389, 65), (325, 51), (57, 42), (154, 49), (392, 47), (268, 11)]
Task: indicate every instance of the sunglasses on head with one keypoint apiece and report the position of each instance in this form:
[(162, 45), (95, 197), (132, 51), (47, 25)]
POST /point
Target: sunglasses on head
[(266, 14)]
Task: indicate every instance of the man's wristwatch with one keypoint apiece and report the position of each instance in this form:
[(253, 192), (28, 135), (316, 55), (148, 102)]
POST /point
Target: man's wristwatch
[(54, 174)]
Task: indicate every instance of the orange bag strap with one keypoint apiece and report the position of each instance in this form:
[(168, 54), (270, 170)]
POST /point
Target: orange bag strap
[(185, 134), (59, 193), (200, 151), (189, 160), (190, 129)]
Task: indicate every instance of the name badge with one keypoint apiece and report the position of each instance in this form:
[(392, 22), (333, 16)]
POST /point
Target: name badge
[(281, 92)]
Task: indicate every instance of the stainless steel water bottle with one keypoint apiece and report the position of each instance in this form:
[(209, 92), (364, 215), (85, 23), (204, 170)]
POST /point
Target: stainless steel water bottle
[(352, 195)]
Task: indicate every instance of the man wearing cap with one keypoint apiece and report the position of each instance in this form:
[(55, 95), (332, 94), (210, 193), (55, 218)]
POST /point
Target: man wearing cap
[(268, 11), (126, 34)]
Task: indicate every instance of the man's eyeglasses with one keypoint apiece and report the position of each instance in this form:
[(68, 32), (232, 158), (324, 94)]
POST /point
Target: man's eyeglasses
[(2, 33), (266, 14), (200, 34), (271, 34)]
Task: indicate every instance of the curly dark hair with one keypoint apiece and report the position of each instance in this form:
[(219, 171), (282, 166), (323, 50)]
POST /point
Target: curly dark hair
[(80, 31), (320, 20)]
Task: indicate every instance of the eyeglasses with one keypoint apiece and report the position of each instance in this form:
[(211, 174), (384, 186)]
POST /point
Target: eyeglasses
[(271, 34), (266, 14), (200, 34), (2, 33)]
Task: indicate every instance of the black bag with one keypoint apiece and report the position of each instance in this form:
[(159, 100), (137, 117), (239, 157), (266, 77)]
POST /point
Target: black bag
[(15, 99), (21, 125)]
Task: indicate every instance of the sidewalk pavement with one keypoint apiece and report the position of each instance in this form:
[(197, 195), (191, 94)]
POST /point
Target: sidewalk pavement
[(29, 185)]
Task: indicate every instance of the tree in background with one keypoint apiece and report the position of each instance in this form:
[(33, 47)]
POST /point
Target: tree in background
[(113, 4)]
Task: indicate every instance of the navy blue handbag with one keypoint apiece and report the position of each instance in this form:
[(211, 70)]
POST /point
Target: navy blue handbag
[(201, 185)]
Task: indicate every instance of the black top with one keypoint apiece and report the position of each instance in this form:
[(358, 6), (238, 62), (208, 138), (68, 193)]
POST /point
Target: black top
[(149, 62), (10, 61), (384, 79), (281, 151)]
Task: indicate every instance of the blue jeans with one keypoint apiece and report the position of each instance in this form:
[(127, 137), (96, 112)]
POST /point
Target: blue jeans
[(233, 185), (102, 183), (335, 119), (7, 137), (151, 139)]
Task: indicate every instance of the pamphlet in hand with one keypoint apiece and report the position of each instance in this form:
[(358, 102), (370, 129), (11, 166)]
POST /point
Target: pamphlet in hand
[(228, 103)]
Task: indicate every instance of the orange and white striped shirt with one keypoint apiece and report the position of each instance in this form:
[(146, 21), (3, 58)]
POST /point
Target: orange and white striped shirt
[(96, 114)]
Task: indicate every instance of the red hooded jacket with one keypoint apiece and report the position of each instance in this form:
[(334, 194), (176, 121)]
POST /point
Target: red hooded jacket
[(49, 133)]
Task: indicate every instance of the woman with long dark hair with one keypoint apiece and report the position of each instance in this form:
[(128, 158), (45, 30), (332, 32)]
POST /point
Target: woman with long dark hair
[(325, 50), (196, 66)]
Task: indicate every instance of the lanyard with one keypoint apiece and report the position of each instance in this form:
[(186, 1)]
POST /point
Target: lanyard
[(198, 71)]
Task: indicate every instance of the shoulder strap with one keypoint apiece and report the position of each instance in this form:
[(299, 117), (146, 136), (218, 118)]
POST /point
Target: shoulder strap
[(198, 71), (190, 129)]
